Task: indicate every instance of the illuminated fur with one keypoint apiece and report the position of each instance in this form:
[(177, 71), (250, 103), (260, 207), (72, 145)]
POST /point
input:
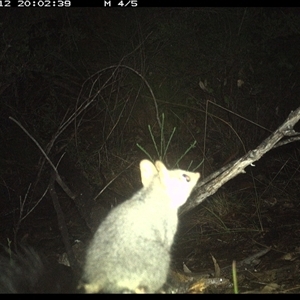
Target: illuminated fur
[(131, 248)]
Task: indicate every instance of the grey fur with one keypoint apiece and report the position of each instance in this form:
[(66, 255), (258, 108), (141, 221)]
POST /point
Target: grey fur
[(131, 248)]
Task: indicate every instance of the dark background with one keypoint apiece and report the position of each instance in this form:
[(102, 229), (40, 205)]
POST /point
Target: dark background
[(82, 82)]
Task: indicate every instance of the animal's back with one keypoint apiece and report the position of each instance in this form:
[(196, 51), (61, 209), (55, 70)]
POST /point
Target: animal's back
[(127, 251), (131, 248)]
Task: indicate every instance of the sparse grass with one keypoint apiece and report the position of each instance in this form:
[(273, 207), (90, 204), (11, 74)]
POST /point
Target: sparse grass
[(162, 146)]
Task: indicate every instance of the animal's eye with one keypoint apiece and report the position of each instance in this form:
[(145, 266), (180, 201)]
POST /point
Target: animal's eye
[(187, 177)]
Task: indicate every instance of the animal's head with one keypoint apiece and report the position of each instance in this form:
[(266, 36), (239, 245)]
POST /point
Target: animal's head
[(178, 184)]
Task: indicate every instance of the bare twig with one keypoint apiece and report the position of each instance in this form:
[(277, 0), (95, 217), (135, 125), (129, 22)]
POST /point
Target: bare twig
[(24, 214), (58, 178), (62, 224), (209, 185)]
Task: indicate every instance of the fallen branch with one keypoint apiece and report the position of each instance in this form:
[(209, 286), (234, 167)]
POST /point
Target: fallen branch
[(209, 185)]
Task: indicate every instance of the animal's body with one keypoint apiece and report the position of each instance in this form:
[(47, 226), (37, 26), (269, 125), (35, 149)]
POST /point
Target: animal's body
[(130, 250)]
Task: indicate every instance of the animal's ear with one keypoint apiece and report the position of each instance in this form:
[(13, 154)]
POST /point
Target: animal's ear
[(148, 171), (161, 168), (163, 172)]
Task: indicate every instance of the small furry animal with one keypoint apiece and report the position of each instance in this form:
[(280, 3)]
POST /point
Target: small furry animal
[(28, 272), (130, 251)]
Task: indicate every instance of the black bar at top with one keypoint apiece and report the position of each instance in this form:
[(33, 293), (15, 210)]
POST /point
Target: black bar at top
[(92, 3)]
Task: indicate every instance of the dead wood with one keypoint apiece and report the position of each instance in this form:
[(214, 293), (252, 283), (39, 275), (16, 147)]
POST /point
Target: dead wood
[(208, 186)]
